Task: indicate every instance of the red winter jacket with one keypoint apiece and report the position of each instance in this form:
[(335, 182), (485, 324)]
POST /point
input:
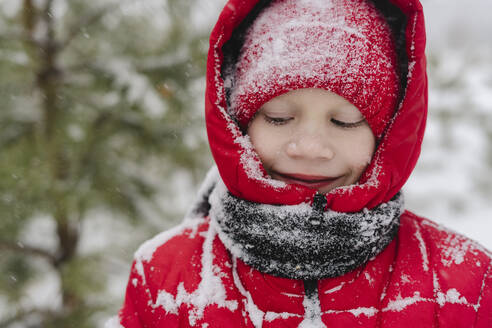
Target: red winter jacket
[(426, 277)]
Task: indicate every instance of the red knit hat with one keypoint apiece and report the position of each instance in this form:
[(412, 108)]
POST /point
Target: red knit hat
[(343, 46)]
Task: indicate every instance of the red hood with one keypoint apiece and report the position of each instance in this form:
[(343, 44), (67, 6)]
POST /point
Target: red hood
[(395, 157)]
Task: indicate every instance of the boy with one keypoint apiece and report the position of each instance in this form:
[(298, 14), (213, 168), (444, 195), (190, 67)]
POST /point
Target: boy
[(315, 115)]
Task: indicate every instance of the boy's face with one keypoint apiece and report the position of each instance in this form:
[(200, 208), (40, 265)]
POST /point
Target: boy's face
[(312, 137)]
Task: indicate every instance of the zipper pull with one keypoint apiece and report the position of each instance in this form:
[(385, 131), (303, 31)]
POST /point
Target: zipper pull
[(319, 204)]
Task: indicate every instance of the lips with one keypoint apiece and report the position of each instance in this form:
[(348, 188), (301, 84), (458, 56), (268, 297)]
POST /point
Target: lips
[(312, 181)]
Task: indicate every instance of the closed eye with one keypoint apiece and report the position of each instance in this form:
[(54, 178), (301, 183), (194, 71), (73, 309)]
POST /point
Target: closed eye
[(278, 120), (348, 124)]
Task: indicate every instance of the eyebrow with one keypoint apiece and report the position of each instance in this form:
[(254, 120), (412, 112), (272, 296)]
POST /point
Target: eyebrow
[(283, 105), (345, 106)]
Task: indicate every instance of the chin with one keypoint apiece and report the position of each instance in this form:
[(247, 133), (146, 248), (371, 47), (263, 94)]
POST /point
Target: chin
[(330, 188), (327, 190)]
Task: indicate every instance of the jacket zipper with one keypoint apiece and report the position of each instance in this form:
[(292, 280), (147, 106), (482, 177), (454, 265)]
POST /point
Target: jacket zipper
[(312, 309), (318, 205)]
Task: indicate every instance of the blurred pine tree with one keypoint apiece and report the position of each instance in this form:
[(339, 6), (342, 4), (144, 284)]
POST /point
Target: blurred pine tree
[(98, 108)]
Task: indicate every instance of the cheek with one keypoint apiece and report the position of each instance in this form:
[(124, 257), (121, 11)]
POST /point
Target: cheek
[(266, 142), (360, 150), (364, 156)]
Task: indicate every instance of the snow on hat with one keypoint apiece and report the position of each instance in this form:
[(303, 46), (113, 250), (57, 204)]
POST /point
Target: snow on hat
[(343, 46)]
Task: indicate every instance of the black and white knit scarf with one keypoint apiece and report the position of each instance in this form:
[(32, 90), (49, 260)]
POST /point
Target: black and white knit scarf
[(302, 241)]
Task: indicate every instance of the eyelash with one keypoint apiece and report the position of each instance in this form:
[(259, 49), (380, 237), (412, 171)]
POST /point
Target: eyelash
[(277, 120), (345, 125)]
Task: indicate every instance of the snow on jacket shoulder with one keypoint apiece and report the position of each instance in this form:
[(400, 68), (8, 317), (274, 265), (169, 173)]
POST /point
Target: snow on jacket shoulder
[(427, 277)]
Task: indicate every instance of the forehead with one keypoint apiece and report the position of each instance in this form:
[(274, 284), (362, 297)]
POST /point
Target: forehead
[(310, 100)]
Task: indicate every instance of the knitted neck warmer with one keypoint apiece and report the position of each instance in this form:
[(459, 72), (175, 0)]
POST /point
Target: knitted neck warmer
[(302, 241)]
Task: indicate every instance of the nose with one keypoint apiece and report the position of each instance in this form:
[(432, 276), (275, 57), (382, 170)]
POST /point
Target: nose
[(310, 147)]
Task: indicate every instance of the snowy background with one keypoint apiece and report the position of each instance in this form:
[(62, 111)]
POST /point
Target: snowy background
[(452, 181)]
